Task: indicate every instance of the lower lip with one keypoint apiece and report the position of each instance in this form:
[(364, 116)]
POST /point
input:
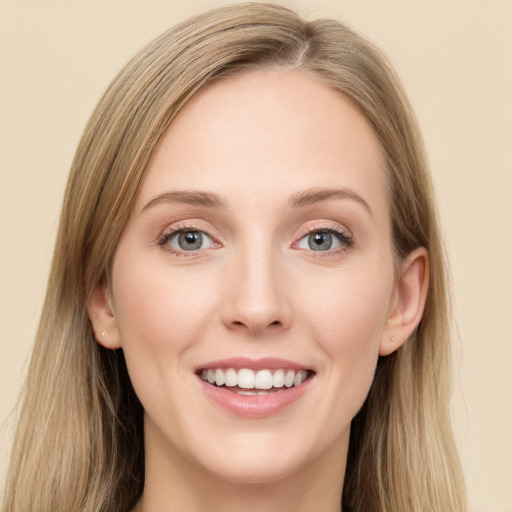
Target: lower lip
[(255, 406)]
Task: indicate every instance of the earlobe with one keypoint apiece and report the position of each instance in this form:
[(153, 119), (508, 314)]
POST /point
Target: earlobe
[(408, 301), (102, 316)]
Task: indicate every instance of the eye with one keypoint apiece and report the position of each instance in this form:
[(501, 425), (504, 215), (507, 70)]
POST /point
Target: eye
[(187, 240), (324, 240)]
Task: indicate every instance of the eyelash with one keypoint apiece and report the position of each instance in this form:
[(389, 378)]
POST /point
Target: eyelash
[(344, 238), (169, 235)]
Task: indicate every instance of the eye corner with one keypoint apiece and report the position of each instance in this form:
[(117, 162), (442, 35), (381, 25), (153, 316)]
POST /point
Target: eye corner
[(323, 240), (187, 240)]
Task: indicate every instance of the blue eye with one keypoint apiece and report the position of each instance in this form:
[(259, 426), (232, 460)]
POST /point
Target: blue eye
[(187, 240), (325, 240)]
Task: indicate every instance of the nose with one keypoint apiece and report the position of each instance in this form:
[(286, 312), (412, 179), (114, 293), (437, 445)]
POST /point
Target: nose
[(256, 299)]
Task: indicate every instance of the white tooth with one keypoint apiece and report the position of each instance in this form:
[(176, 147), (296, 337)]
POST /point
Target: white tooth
[(204, 375), (211, 376), (289, 379), (219, 377), (246, 378), (278, 379), (250, 392), (230, 378), (263, 379), (263, 392), (300, 377)]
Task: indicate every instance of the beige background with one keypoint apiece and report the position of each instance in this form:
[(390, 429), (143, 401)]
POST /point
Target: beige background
[(455, 58)]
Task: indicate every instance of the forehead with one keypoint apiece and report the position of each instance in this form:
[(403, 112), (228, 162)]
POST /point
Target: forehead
[(267, 133)]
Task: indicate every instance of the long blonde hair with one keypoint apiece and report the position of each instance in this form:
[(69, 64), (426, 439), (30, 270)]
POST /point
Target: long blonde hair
[(79, 442)]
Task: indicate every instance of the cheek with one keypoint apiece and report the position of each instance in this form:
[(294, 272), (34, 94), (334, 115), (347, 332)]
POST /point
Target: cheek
[(346, 317), (160, 314), (157, 307), (349, 307)]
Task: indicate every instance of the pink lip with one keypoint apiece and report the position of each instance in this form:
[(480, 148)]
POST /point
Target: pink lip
[(254, 406), (257, 406), (264, 363)]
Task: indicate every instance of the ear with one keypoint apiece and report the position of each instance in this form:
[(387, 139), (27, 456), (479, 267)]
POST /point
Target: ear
[(408, 301), (102, 316)]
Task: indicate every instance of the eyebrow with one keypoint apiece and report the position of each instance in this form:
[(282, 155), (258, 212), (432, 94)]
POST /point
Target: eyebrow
[(191, 197), (318, 195), (297, 200)]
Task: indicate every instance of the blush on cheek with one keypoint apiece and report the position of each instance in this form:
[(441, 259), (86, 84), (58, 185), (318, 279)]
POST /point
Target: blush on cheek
[(350, 328), (161, 314)]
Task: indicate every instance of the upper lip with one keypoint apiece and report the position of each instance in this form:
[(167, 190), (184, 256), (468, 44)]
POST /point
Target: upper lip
[(264, 363)]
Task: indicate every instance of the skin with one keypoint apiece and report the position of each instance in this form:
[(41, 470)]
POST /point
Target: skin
[(257, 290)]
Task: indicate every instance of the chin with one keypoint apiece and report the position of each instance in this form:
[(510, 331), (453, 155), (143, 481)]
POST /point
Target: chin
[(258, 458), (247, 471)]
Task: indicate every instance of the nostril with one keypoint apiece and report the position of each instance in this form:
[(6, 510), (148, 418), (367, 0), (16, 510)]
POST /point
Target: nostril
[(238, 324)]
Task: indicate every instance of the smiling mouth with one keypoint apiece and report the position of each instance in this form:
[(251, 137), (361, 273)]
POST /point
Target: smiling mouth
[(251, 383)]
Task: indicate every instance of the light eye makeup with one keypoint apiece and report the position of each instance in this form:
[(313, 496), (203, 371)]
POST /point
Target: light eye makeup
[(186, 240), (320, 240), (324, 240)]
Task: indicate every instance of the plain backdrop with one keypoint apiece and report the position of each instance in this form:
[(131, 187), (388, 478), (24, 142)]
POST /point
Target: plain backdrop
[(455, 58)]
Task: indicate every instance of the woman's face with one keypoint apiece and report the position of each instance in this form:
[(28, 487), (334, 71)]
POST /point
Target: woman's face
[(259, 243)]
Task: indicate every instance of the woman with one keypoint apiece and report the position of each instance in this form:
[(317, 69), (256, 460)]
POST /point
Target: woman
[(247, 305)]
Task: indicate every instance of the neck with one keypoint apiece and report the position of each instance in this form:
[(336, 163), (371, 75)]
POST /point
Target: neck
[(174, 483)]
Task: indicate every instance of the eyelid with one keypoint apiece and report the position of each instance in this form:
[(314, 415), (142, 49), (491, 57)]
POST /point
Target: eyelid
[(186, 225), (343, 234), (324, 225)]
